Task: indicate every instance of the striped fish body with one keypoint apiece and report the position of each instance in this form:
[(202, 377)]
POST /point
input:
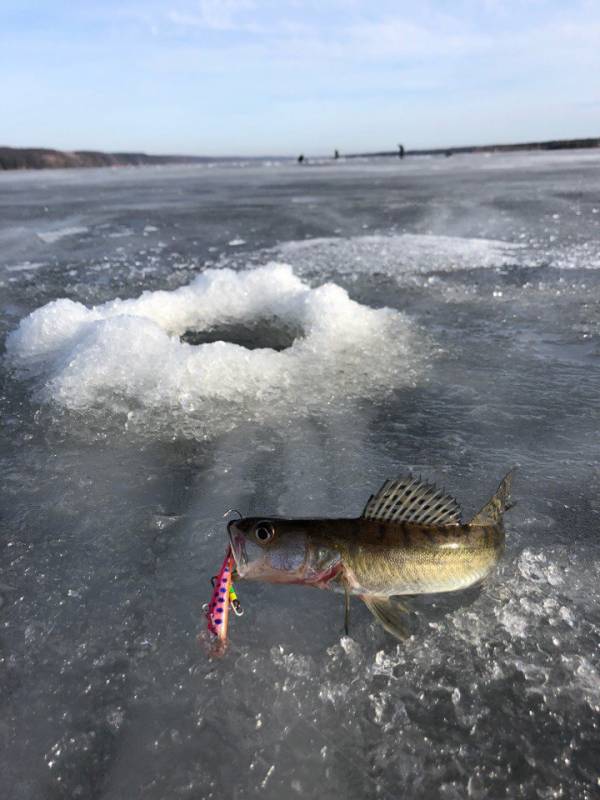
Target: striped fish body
[(405, 558)]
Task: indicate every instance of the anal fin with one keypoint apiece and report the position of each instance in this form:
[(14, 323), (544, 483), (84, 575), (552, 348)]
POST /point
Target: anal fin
[(389, 612)]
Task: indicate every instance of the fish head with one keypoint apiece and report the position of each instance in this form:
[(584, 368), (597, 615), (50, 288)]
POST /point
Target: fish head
[(265, 550), (277, 551)]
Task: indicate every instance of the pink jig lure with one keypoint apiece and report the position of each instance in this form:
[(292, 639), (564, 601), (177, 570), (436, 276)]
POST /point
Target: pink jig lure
[(217, 612)]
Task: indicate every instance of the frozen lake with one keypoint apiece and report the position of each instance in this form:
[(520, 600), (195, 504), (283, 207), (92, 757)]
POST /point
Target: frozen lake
[(280, 339)]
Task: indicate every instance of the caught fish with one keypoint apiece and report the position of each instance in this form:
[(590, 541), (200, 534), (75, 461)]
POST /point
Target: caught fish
[(409, 540)]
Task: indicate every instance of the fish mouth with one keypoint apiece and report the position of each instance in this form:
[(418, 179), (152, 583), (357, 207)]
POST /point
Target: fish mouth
[(238, 549)]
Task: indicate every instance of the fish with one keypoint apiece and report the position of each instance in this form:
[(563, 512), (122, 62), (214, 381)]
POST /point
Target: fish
[(409, 540)]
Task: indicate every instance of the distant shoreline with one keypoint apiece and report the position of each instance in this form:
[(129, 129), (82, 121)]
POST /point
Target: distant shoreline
[(22, 158), (25, 158), (551, 144)]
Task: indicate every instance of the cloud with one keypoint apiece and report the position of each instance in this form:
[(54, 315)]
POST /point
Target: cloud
[(216, 15), (401, 38)]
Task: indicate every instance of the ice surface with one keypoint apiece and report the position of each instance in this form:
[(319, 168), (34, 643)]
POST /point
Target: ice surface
[(117, 465)]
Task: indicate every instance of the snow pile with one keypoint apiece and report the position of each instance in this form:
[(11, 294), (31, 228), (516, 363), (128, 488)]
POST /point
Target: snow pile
[(126, 355)]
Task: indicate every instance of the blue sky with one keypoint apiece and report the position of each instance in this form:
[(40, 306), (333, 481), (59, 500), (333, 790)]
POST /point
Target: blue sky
[(257, 77)]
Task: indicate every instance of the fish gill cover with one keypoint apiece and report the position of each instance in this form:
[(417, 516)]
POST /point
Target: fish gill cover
[(134, 356)]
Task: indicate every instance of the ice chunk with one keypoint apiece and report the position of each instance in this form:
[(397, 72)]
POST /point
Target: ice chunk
[(49, 330)]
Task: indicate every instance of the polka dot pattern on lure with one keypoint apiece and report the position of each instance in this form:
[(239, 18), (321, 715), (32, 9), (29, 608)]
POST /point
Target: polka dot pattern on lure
[(218, 608)]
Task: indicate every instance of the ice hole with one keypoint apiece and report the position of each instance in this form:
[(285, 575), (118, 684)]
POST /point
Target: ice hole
[(273, 333), (302, 347)]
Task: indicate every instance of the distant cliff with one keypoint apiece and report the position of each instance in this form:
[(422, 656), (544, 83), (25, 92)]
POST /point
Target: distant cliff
[(41, 158)]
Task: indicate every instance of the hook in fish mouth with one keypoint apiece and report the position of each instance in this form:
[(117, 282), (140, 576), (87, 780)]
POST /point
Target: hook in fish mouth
[(233, 511), (238, 550)]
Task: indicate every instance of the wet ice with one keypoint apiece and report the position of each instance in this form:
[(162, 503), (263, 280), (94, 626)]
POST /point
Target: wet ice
[(111, 528)]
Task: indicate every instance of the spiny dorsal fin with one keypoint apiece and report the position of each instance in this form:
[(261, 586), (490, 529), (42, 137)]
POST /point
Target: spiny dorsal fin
[(411, 500), (493, 510)]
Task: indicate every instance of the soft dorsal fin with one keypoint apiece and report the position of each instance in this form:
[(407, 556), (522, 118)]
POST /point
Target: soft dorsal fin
[(493, 510), (410, 500)]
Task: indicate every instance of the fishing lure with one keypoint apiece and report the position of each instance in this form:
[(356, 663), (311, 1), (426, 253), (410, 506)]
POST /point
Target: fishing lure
[(223, 596), (235, 601)]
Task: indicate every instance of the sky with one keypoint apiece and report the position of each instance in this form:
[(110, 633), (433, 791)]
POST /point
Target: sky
[(279, 77)]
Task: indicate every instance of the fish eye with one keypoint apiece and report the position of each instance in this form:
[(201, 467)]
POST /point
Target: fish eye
[(264, 532)]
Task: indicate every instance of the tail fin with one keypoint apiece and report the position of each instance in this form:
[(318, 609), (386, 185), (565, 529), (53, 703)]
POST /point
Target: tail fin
[(493, 510)]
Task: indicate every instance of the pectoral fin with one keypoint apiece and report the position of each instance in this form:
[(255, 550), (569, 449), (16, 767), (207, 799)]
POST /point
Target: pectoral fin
[(391, 613), (346, 610)]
